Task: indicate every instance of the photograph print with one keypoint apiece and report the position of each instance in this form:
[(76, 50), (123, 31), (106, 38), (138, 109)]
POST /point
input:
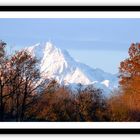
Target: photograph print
[(69, 70)]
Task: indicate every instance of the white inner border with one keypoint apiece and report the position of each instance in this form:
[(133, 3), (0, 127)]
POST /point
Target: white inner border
[(70, 2), (70, 14), (52, 125)]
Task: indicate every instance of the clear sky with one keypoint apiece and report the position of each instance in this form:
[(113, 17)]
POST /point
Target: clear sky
[(100, 43)]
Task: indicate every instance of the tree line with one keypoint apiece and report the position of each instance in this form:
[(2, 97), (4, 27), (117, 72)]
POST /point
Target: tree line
[(25, 96)]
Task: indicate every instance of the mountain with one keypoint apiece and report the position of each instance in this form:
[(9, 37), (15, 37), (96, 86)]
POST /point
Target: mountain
[(58, 64)]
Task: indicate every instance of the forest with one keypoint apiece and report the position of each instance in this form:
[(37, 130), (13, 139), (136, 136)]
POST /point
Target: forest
[(25, 97)]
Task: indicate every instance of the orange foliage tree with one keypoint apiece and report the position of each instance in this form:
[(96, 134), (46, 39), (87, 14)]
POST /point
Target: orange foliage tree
[(130, 82), (130, 69)]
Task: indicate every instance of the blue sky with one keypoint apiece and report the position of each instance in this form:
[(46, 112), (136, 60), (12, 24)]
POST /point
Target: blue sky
[(100, 43)]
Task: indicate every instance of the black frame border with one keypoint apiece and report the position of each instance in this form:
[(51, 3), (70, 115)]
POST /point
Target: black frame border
[(69, 131), (69, 9)]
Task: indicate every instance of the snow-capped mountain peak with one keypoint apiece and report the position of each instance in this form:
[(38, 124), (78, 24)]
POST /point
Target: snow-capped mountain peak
[(49, 47), (59, 65)]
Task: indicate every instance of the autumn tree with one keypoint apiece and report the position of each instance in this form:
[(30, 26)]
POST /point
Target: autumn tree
[(25, 83), (56, 104), (64, 104), (90, 104), (117, 107), (130, 70), (3, 77), (130, 81)]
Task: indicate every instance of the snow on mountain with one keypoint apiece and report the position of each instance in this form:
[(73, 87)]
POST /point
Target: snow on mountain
[(58, 64)]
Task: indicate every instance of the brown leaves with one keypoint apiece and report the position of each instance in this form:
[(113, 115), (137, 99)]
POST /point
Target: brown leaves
[(62, 105), (130, 68), (126, 106)]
